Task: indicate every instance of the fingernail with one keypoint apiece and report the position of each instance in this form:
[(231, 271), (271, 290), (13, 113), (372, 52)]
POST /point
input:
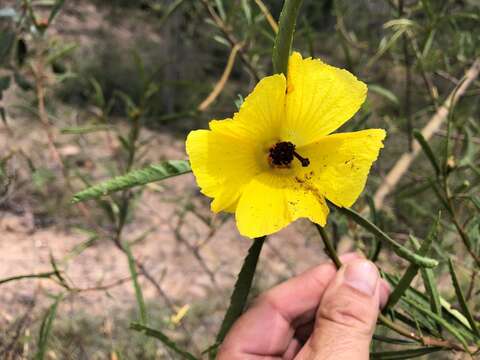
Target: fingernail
[(363, 276)]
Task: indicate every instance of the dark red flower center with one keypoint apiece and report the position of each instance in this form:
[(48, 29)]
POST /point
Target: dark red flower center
[(282, 154)]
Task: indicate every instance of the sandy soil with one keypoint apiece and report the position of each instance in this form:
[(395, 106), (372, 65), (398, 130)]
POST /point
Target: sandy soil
[(192, 262)]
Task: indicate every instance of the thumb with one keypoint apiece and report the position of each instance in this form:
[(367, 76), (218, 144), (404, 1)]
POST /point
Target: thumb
[(347, 314)]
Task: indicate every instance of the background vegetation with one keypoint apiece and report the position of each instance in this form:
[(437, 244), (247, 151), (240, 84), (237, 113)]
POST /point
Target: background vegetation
[(90, 90)]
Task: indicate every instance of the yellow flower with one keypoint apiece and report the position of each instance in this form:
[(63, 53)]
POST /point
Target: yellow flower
[(275, 161)]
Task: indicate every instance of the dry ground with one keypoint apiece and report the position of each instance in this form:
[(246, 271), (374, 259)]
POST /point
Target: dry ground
[(194, 263)]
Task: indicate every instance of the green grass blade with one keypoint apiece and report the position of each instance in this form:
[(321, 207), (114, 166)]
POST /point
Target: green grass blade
[(134, 178), (138, 290), (46, 328), (284, 38), (157, 334), (461, 300), (399, 249)]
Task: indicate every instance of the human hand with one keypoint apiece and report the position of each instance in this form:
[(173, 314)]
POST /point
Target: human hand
[(321, 314)]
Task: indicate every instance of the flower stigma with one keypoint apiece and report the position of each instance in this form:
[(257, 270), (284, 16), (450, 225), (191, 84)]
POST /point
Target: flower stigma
[(282, 154)]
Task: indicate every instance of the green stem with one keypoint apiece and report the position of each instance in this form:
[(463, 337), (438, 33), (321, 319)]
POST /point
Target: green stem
[(29, 276), (284, 38), (330, 249), (242, 288), (399, 249)]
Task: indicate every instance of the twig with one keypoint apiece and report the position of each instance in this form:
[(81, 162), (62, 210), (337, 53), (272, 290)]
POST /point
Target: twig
[(194, 250), (406, 160), (223, 79), (458, 137), (268, 15), (46, 275), (471, 287), (408, 82), (230, 38), (432, 91), (18, 326), (102, 287), (39, 75), (461, 231)]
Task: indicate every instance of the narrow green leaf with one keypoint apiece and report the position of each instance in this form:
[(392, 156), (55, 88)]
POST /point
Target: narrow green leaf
[(138, 290), (412, 270), (157, 334), (385, 45), (221, 9), (476, 201), (98, 95), (455, 315), (46, 328), (461, 299), (169, 11), (428, 44), (452, 316), (85, 129), (56, 9), (284, 39), (134, 178), (65, 50), (427, 150), (247, 11), (430, 286), (387, 94), (399, 249), (471, 148), (242, 288), (404, 354), (432, 290), (445, 324), (407, 278)]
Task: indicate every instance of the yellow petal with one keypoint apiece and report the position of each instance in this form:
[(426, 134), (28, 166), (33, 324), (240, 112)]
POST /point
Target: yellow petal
[(222, 164), (263, 111), (340, 163), (271, 202), (232, 152), (320, 98)]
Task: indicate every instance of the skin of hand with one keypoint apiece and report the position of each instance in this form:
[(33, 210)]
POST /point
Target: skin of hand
[(318, 315)]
